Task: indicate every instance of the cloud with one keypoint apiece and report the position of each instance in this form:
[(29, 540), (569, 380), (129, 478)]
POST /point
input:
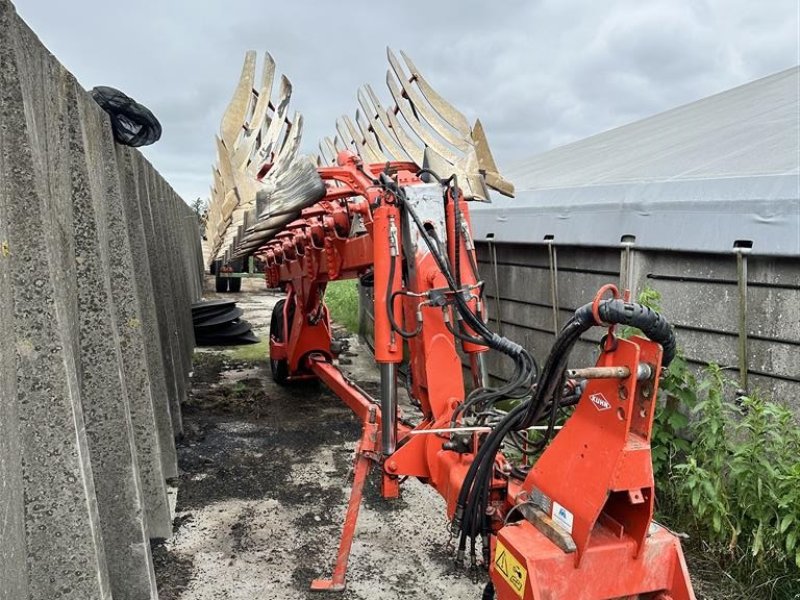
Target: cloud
[(538, 74)]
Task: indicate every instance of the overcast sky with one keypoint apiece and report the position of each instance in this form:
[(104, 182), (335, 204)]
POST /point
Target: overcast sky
[(539, 74)]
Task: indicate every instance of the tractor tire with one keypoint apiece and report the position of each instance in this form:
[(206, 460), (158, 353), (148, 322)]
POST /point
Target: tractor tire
[(221, 284), (279, 368), (488, 592)]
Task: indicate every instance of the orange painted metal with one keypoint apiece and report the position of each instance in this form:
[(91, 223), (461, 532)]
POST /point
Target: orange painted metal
[(595, 480), (309, 328), (607, 571), (605, 448), (388, 264), (362, 406), (436, 379)]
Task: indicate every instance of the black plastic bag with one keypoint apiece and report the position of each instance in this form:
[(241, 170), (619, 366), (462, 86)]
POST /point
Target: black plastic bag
[(133, 124)]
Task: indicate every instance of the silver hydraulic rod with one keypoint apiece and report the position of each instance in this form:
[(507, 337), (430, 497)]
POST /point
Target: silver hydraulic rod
[(477, 363), (388, 407)]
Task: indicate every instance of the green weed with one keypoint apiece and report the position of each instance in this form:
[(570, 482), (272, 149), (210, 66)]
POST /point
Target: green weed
[(728, 470), (341, 297)]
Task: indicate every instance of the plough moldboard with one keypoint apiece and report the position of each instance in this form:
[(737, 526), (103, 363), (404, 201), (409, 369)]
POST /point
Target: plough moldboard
[(548, 476)]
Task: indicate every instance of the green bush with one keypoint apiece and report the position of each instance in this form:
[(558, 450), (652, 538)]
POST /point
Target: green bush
[(728, 470)]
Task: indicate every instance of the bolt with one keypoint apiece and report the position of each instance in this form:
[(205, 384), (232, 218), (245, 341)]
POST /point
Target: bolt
[(391, 466)]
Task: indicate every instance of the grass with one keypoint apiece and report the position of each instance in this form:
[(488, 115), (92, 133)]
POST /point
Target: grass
[(252, 352), (342, 300)]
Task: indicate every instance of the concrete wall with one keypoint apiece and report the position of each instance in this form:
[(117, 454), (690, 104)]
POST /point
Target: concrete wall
[(99, 263), (699, 297)]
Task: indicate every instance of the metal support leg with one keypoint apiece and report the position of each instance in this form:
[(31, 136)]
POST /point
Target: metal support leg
[(363, 462)]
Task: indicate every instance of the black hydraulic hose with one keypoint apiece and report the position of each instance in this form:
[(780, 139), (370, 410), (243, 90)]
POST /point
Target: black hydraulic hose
[(462, 336), (493, 340), (454, 198), (553, 371), (526, 366), (390, 296), (470, 515), (488, 448), (488, 591), (474, 494), (432, 174), (611, 312), (632, 314)]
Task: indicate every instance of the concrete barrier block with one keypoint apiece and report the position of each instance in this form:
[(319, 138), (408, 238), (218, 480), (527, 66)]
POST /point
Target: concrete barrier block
[(157, 378), (104, 395), (13, 578), (161, 289), (46, 458), (104, 184)]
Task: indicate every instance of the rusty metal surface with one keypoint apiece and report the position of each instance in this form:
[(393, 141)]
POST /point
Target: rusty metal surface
[(422, 126), (256, 135)]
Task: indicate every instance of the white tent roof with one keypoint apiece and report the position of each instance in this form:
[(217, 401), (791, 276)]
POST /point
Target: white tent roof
[(697, 177)]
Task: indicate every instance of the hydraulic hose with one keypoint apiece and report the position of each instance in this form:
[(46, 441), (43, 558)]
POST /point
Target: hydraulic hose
[(651, 323), (390, 295), (546, 401)]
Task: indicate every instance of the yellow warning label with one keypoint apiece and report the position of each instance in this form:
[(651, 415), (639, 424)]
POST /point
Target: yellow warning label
[(510, 568)]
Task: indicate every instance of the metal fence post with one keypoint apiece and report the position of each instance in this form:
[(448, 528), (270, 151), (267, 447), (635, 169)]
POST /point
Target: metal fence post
[(626, 265), (742, 249), (553, 263)]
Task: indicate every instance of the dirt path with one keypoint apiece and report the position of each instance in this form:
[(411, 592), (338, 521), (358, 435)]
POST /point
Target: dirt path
[(263, 489)]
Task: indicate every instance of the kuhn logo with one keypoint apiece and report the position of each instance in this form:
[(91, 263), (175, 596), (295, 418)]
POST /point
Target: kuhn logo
[(600, 402)]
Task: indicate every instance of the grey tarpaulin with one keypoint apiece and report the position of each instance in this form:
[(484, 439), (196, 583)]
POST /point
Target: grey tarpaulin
[(698, 177)]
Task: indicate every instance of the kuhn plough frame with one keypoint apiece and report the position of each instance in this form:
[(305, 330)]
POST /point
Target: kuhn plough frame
[(552, 511)]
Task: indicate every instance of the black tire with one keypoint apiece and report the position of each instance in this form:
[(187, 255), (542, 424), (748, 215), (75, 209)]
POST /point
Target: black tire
[(488, 591), (221, 284), (279, 368), (234, 284)]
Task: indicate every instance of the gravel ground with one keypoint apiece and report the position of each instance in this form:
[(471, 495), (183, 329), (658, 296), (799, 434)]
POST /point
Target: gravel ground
[(265, 476)]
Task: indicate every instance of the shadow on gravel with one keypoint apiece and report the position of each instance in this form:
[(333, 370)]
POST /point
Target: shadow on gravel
[(173, 571)]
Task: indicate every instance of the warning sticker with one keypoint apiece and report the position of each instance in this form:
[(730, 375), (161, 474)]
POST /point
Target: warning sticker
[(563, 517), (510, 568)]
